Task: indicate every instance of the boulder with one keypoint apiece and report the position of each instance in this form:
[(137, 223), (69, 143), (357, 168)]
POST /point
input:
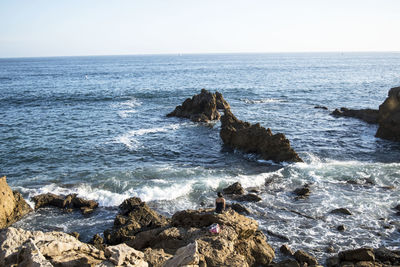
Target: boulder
[(234, 189), (389, 116), (249, 198), (286, 250), (98, 242), (56, 248), (341, 211), (303, 257), (202, 107), (123, 255), (253, 138), (187, 255), (287, 263), (68, 202), (134, 216), (12, 205), (355, 255), (383, 254), (156, 257), (239, 208), (367, 115)]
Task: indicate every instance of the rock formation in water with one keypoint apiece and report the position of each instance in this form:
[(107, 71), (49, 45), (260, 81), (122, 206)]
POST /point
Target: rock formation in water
[(202, 107), (71, 201), (253, 138), (389, 116), (12, 205), (367, 115)]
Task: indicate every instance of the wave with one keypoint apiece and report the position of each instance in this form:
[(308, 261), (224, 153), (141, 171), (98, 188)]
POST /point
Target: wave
[(127, 107), (129, 140), (263, 100)]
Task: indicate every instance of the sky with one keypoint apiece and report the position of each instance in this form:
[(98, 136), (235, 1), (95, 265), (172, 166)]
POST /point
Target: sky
[(34, 28)]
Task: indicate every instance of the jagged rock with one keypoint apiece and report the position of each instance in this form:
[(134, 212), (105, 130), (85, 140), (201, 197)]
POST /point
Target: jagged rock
[(202, 107), (98, 242), (134, 216), (249, 198), (29, 255), (60, 249), (341, 211), (187, 255), (238, 244), (303, 257), (65, 202), (234, 189), (122, 255), (286, 250), (12, 205), (239, 208), (287, 263), (156, 257), (389, 116), (302, 192), (361, 254), (367, 115), (253, 138)]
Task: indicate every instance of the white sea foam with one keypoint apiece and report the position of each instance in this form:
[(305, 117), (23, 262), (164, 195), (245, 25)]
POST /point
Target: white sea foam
[(129, 140), (263, 100), (128, 107)]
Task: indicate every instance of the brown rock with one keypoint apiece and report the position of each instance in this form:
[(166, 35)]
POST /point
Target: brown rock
[(65, 202), (234, 189), (202, 107), (98, 242), (367, 115), (134, 216), (389, 116), (286, 250), (12, 205), (303, 257), (252, 138), (249, 198), (156, 257), (239, 208), (287, 263), (83, 203), (332, 261), (75, 234), (361, 254)]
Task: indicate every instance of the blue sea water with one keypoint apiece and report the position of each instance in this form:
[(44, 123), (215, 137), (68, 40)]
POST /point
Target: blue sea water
[(96, 126)]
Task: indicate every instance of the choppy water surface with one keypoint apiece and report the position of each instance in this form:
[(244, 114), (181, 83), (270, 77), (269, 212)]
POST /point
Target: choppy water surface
[(96, 126)]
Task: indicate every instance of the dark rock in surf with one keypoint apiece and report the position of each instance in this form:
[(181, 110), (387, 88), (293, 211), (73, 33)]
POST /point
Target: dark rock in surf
[(286, 263), (341, 228), (68, 202), (286, 250), (302, 192), (303, 257), (321, 107), (356, 255), (367, 115), (234, 189), (239, 208), (341, 211), (389, 116), (253, 138), (248, 198), (202, 107)]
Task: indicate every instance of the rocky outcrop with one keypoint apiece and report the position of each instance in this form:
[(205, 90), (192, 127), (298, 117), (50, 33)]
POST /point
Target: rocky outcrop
[(202, 107), (238, 244), (135, 216), (389, 116), (234, 189), (253, 138), (184, 256), (367, 115), (65, 202), (122, 255), (12, 205), (380, 257)]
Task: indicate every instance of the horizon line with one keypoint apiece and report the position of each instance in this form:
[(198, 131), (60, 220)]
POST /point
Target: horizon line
[(201, 53)]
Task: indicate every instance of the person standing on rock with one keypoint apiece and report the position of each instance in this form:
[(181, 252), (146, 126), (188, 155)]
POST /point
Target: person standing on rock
[(220, 203)]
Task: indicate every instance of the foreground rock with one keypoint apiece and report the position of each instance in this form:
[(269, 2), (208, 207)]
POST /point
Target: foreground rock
[(202, 107), (12, 205), (134, 217), (381, 257), (238, 244), (389, 116), (253, 138), (367, 115), (65, 202)]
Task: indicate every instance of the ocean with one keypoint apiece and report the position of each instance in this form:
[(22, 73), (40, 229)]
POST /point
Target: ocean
[(96, 126)]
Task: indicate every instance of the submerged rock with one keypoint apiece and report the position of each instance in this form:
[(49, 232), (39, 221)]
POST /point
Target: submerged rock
[(12, 205), (202, 107), (302, 192), (65, 202), (234, 189), (389, 116), (367, 115), (341, 211), (253, 138)]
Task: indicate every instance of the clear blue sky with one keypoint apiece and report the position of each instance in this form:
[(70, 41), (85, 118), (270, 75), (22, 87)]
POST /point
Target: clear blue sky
[(106, 27)]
